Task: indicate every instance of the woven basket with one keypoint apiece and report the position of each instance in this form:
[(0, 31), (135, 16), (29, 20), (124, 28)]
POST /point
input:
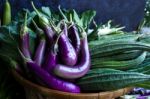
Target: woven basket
[(34, 91)]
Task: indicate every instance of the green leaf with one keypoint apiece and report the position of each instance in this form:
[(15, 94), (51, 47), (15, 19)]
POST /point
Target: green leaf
[(46, 11), (77, 19), (87, 17), (30, 17), (20, 16)]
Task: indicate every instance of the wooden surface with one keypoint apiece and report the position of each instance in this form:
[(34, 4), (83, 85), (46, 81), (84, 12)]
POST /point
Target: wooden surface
[(34, 91)]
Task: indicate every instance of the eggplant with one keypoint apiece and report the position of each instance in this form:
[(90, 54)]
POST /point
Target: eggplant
[(51, 60), (50, 80), (74, 37), (38, 58), (24, 37), (81, 68), (44, 23), (25, 44), (40, 52), (49, 33), (66, 50)]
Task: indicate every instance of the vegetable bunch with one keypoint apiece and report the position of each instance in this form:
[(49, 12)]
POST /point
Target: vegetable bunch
[(53, 49), (60, 51), (57, 52)]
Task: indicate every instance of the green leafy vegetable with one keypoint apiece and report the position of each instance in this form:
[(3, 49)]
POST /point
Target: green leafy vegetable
[(87, 17)]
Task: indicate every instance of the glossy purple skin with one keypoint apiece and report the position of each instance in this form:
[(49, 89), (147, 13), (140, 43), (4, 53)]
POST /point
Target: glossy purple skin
[(49, 33), (80, 69), (51, 81), (25, 45), (50, 61), (66, 50), (38, 58), (74, 37)]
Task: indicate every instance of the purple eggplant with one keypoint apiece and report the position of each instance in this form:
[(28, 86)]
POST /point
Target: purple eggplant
[(66, 50), (80, 69), (51, 81), (51, 60), (40, 52), (44, 23), (25, 44), (38, 58), (24, 37), (74, 37), (49, 33)]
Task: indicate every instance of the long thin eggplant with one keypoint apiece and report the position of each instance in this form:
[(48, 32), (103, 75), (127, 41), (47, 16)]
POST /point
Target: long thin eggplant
[(80, 69), (51, 81), (44, 23), (66, 50), (40, 52), (24, 37), (74, 37), (51, 60)]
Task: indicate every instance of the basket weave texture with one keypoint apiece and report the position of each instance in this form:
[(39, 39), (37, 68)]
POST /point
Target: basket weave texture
[(34, 91)]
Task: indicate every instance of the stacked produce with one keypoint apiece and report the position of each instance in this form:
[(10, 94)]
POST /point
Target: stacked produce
[(60, 51)]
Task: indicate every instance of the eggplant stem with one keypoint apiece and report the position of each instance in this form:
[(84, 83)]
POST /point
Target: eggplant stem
[(24, 28), (83, 33), (25, 20), (70, 26), (35, 9), (71, 20), (94, 22), (58, 30), (58, 25), (39, 31), (41, 17), (63, 15), (56, 42), (34, 24)]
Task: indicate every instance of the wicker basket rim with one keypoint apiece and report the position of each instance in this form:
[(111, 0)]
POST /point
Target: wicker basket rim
[(28, 84)]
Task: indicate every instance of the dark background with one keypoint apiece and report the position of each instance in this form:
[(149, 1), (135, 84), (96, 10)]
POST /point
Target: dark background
[(124, 12)]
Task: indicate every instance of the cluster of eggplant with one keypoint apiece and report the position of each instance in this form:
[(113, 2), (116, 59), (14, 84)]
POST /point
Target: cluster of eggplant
[(62, 55)]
